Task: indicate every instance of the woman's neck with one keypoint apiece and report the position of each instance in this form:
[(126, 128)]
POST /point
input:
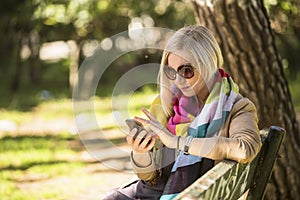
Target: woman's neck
[(204, 93), (202, 96)]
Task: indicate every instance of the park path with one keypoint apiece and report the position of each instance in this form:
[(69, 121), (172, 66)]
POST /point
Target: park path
[(97, 178), (107, 166)]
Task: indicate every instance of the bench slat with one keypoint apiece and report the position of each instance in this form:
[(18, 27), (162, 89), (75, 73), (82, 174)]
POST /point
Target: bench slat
[(230, 180), (266, 162)]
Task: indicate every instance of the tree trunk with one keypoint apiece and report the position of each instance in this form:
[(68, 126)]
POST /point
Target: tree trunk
[(74, 60), (34, 60), (16, 62), (242, 29)]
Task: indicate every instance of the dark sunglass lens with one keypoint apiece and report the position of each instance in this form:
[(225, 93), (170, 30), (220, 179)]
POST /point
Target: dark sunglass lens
[(186, 71), (170, 72)]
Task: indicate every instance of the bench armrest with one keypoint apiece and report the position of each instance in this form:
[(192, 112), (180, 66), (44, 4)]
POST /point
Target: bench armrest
[(230, 180)]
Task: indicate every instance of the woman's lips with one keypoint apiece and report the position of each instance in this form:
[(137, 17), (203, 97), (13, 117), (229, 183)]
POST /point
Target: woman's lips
[(185, 88)]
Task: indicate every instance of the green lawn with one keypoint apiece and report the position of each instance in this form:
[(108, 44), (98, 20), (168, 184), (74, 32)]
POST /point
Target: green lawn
[(40, 159), (26, 159), (33, 159)]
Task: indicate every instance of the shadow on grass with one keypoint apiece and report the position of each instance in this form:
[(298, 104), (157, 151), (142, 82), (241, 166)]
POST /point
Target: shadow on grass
[(28, 142), (26, 152), (33, 164)]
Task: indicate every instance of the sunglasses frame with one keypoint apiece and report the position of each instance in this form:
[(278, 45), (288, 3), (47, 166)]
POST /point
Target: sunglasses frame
[(178, 70)]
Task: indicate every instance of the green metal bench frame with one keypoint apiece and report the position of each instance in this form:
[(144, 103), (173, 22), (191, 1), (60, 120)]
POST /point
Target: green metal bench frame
[(232, 180)]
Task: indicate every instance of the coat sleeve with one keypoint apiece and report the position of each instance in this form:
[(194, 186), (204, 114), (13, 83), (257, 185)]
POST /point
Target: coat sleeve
[(150, 172), (146, 173), (244, 133), (240, 140)]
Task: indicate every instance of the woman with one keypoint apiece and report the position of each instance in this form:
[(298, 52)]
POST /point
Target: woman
[(198, 119)]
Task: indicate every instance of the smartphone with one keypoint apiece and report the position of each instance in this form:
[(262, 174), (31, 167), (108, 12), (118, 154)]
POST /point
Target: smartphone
[(134, 124)]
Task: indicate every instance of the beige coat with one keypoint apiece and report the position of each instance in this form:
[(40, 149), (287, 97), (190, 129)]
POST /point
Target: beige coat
[(237, 140)]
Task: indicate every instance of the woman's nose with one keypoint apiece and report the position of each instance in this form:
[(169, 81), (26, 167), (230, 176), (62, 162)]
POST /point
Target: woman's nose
[(179, 79)]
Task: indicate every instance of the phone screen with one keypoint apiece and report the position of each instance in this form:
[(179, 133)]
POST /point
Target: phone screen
[(134, 124)]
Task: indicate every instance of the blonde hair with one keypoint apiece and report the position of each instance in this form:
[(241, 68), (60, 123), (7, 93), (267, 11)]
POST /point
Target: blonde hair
[(197, 45)]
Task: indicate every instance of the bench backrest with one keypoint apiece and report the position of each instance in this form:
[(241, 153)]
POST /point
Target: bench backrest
[(232, 180)]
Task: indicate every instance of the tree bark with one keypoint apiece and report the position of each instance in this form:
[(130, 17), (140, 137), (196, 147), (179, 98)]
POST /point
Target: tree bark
[(243, 31), (74, 60), (34, 60), (16, 62)]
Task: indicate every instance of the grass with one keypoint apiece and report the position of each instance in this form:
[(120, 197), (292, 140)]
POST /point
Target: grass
[(44, 167), (30, 160), (25, 159), (39, 162), (103, 108), (20, 152)]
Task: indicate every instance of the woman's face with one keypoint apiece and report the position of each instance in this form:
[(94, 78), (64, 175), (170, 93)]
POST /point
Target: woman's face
[(189, 87)]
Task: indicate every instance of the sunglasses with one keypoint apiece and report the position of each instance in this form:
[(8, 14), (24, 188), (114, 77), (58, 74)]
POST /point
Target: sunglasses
[(186, 71)]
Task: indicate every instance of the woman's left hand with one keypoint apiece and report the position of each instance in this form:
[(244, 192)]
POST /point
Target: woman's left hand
[(164, 134)]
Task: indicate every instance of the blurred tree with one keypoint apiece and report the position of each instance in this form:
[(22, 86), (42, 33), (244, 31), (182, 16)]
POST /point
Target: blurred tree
[(285, 21), (16, 26), (250, 54), (27, 25)]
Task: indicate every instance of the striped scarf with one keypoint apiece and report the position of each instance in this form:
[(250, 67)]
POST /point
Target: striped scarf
[(213, 114), (188, 120)]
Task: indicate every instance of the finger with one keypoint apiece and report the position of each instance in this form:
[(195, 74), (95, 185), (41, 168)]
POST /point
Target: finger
[(130, 136), (148, 114), (150, 146), (138, 138), (142, 120), (132, 132), (129, 140), (153, 125), (145, 140), (141, 135)]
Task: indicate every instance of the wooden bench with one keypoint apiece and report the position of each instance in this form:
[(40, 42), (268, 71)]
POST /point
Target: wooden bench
[(232, 180)]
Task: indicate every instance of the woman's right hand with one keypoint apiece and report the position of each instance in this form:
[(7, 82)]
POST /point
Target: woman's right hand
[(167, 138), (140, 142)]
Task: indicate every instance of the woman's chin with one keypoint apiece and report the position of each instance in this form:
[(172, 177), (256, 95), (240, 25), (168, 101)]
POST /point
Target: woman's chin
[(188, 92)]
